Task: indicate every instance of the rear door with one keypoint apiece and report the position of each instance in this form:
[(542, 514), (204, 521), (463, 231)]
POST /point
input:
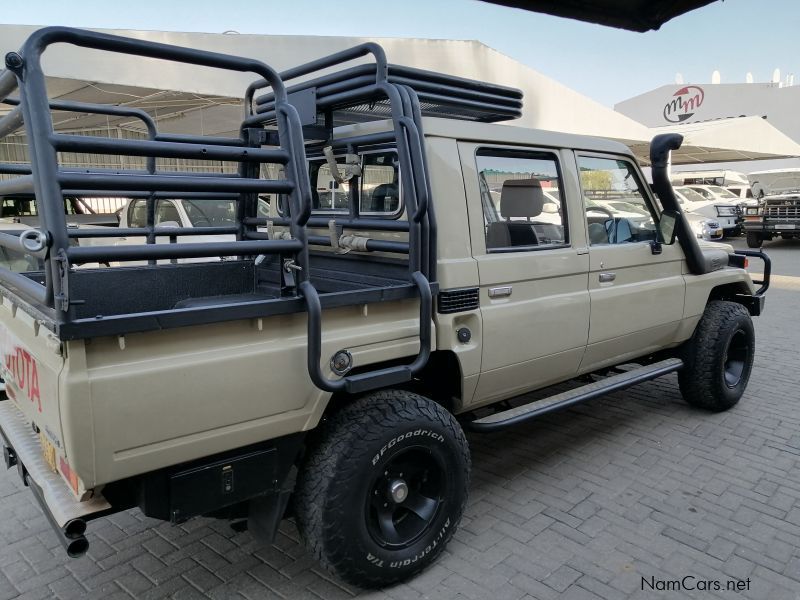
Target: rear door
[(532, 268), (636, 296)]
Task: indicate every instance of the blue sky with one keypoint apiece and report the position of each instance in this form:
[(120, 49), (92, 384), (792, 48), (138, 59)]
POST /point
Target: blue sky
[(609, 65)]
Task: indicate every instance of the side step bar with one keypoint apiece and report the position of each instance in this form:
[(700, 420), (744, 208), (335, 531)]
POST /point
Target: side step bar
[(514, 416)]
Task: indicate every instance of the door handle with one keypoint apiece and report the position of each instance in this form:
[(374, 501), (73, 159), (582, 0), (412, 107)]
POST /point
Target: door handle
[(500, 292), (607, 277)]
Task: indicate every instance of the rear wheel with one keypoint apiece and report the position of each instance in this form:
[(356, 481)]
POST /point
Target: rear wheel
[(754, 240), (719, 357), (383, 490)]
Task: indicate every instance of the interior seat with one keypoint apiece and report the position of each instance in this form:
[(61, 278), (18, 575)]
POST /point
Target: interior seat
[(519, 199), (597, 233), (385, 198)]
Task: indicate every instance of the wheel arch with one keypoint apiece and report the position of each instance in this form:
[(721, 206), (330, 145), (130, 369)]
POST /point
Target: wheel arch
[(440, 380), (735, 291)]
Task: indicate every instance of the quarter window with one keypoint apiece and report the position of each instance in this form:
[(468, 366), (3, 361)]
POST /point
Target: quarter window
[(521, 200)]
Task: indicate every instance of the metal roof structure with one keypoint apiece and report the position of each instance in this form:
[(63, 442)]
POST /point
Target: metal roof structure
[(182, 101), (730, 140)]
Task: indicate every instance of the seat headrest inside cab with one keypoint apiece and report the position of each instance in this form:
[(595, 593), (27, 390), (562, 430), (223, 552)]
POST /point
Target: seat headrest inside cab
[(521, 198)]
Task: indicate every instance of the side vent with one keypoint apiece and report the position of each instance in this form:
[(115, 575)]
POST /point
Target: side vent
[(452, 301)]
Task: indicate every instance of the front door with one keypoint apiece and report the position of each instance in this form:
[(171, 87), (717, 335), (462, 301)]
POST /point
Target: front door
[(533, 274), (636, 296)]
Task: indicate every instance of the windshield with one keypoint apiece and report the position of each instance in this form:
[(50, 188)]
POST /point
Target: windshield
[(721, 191), (217, 213), (690, 194)]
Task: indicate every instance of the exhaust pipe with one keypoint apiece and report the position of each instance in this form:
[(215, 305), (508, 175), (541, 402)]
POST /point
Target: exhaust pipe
[(67, 515), (71, 534), (660, 148)]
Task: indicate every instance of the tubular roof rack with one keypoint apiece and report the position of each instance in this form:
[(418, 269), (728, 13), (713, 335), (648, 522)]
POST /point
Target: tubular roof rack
[(353, 96)]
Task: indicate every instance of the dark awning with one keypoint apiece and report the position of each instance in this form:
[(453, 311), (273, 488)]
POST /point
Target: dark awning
[(635, 15)]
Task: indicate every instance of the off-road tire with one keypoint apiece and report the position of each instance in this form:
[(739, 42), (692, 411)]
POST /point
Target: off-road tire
[(754, 240), (343, 472), (724, 332)]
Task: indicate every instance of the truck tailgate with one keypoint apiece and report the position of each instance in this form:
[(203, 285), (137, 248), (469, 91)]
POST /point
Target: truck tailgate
[(30, 365)]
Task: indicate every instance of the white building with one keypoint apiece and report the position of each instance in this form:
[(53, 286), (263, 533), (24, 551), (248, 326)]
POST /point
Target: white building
[(696, 107), (185, 99)]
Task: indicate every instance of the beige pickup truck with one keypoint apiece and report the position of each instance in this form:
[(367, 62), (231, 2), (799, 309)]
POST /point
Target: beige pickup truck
[(405, 283)]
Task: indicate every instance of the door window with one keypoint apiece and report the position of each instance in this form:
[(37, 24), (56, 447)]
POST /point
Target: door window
[(521, 200), (617, 208)]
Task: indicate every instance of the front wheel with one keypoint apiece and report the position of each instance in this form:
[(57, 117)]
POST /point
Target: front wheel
[(719, 357), (383, 490), (753, 240)]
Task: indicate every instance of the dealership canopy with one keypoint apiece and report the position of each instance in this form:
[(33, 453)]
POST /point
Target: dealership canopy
[(636, 15), (729, 140), (185, 98)]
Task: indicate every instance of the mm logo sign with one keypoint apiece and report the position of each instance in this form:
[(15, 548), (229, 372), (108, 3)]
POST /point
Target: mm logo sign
[(683, 104)]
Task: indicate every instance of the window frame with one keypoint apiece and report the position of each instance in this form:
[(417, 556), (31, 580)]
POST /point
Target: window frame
[(371, 214), (531, 152), (648, 196)]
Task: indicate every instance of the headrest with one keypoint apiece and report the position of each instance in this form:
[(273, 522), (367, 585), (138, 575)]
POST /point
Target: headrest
[(385, 189), (521, 198)]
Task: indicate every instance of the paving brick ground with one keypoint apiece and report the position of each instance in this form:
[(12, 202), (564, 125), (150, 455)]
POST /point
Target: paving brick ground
[(580, 505)]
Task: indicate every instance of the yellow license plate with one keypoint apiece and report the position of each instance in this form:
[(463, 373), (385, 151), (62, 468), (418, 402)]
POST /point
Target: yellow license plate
[(49, 452)]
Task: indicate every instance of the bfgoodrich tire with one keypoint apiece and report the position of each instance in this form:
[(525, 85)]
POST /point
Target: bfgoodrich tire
[(719, 357), (383, 490)]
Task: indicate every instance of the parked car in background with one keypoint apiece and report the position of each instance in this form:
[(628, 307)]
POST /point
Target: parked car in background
[(778, 211), (733, 181), (707, 204), (744, 193), (175, 214), (15, 260), (22, 208)]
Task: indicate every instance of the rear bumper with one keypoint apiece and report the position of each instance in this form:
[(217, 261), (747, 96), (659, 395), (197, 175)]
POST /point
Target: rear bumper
[(67, 515)]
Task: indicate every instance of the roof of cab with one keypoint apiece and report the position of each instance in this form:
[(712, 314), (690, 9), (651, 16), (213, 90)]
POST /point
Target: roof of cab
[(512, 134), (493, 133)]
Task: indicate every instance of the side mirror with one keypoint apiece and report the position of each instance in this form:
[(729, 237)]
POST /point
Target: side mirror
[(667, 227)]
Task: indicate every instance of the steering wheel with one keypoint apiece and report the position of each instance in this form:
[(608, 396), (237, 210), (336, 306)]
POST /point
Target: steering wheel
[(601, 210)]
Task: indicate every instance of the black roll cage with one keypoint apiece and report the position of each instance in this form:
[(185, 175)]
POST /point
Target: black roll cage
[(286, 121)]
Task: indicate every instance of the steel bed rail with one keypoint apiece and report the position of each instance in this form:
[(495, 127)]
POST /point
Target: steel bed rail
[(49, 182)]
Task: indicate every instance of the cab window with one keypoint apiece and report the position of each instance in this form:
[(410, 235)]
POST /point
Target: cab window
[(521, 200), (618, 210), (376, 191)]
